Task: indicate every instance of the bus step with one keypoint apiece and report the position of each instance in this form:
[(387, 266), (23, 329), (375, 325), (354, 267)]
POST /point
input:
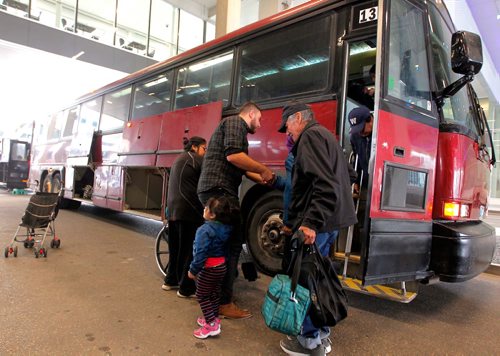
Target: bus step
[(340, 256), (378, 290)]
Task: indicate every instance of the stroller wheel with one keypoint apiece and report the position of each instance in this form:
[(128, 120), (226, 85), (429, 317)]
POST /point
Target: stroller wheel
[(31, 244), (58, 243), (25, 244), (36, 253), (6, 252), (43, 252), (52, 243), (15, 251)]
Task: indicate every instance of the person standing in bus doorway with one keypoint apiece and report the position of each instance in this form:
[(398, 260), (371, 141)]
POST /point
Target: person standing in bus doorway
[(361, 121), (185, 215), (320, 206), (224, 165), (361, 92)]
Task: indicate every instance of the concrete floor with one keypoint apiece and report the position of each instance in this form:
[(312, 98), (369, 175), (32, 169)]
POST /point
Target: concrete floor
[(100, 294)]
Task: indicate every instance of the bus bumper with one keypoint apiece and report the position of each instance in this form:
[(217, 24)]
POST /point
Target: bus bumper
[(461, 250)]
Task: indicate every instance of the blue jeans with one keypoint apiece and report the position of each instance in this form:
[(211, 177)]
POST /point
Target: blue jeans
[(310, 336)]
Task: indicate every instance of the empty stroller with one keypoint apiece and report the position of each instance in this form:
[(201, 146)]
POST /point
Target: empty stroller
[(38, 219)]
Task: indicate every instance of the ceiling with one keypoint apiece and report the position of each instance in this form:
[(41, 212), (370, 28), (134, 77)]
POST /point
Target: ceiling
[(486, 14)]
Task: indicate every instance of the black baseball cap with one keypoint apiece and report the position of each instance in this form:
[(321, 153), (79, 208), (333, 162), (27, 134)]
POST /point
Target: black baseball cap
[(288, 111), (357, 118)]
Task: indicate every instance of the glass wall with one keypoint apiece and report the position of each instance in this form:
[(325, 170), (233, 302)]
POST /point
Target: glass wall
[(190, 31), (132, 25), (152, 28), (60, 14), (96, 20), (163, 35)]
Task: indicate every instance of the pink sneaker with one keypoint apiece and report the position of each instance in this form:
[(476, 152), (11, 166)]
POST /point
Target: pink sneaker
[(201, 321), (207, 330)]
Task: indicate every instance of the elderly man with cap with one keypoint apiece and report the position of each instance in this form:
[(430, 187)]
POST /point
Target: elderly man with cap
[(321, 202), (361, 121)]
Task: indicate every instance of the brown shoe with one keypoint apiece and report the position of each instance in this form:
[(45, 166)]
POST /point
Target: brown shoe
[(231, 311)]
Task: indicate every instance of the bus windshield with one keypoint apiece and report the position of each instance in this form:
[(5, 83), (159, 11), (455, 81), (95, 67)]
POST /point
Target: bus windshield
[(19, 152)]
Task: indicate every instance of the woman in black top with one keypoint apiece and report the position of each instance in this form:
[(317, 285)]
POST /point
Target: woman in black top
[(184, 214)]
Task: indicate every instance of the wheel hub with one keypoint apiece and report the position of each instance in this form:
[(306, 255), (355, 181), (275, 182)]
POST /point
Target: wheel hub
[(271, 238)]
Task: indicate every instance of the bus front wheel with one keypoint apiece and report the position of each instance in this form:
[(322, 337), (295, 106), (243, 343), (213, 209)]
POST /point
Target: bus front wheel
[(264, 237)]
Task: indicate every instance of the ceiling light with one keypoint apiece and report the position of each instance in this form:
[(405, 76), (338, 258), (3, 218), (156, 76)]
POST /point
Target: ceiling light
[(78, 55)]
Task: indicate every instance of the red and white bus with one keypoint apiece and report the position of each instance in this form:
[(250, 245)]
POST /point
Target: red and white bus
[(431, 153)]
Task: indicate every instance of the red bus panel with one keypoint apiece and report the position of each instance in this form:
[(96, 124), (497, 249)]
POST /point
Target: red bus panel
[(419, 143), (140, 142), (461, 176), (268, 146), (195, 121)]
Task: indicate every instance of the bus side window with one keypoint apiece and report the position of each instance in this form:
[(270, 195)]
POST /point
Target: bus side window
[(408, 78), (152, 96), (55, 126), (289, 61), (71, 121), (204, 82), (115, 110)]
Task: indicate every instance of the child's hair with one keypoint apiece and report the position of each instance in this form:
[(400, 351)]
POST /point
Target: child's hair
[(221, 208)]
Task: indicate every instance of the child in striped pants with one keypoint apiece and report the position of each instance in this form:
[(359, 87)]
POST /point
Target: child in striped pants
[(209, 263)]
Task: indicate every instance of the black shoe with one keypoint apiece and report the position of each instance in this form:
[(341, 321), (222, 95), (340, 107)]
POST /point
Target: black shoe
[(293, 347)]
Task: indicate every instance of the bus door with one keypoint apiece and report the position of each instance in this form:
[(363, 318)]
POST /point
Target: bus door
[(360, 49), (79, 170), (109, 180), (199, 120), (403, 151)]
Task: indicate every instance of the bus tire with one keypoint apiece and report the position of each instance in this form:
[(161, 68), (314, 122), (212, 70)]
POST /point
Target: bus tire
[(47, 184), (56, 183), (264, 239)]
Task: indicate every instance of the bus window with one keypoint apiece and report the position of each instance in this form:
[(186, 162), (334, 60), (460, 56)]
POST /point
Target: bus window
[(55, 126), (89, 115), (287, 62), (152, 96), (71, 121), (115, 110), (408, 78), (204, 82), (456, 109)]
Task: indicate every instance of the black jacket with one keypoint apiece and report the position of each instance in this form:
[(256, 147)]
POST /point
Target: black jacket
[(321, 190), (182, 200)]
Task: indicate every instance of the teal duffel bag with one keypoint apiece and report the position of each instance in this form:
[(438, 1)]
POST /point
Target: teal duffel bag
[(286, 303)]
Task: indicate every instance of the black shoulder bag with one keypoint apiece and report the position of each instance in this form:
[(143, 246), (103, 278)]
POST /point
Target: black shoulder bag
[(328, 298)]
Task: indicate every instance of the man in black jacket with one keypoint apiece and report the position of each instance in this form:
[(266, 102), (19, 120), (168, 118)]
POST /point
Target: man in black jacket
[(321, 202)]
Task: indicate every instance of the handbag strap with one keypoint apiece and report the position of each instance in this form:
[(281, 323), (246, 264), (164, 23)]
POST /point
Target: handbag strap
[(299, 238)]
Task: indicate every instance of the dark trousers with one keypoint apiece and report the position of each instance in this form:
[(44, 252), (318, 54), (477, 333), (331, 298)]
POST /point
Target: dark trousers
[(180, 242), (235, 242), (208, 291)]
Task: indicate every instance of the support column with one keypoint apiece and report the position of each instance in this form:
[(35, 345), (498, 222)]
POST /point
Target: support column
[(228, 17), (270, 7)]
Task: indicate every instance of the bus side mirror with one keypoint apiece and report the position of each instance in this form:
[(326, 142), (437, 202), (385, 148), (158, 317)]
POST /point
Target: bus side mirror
[(466, 53)]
